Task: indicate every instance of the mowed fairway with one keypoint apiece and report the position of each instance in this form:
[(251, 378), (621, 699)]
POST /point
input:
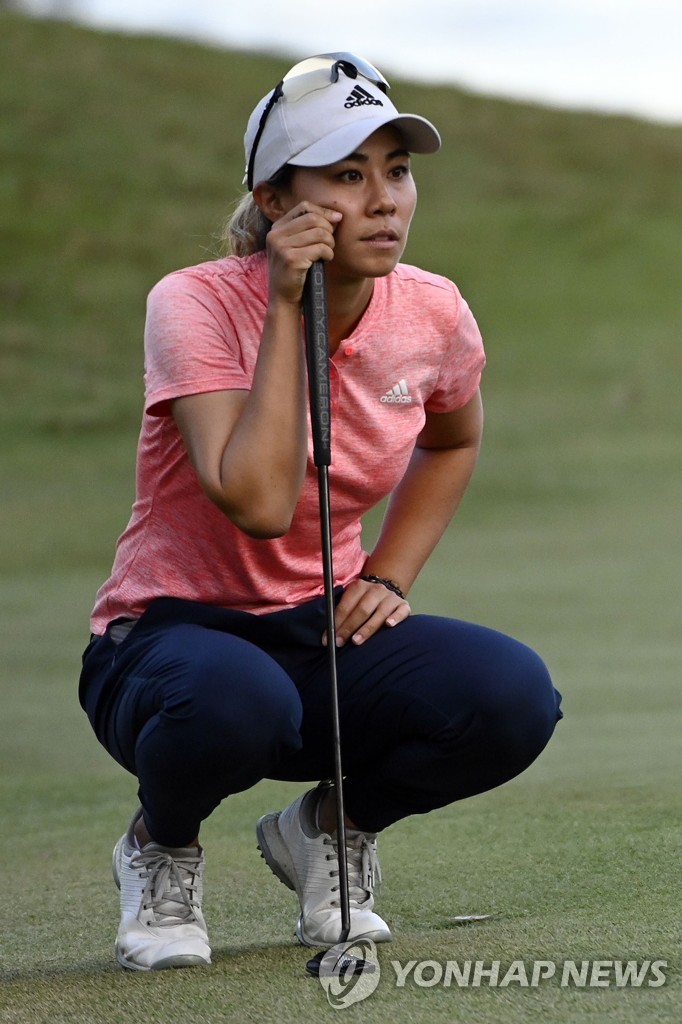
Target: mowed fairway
[(564, 232)]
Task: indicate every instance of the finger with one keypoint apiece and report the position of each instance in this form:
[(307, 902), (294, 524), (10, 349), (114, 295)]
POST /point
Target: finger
[(290, 258), (296, 247), (291, 226), (305, 228), (358, 601), (378, 620), (298, 256), (341, 612), (368, 613), (304, 208), (402, 612)]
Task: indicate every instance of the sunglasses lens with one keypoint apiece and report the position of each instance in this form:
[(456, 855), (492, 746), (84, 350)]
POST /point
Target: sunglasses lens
[(304, 67), (300, 79), (362, 66)]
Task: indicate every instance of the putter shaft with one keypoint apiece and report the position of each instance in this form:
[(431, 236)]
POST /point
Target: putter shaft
[(317, 356)]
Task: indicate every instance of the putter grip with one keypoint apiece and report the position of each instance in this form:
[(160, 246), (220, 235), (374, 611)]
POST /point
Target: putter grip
[(317, 357)]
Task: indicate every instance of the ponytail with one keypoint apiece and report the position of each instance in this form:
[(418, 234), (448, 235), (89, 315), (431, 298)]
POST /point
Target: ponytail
[(247, 228)]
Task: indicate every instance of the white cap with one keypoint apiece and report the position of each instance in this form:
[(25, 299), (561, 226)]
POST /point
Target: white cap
[(325, 125)]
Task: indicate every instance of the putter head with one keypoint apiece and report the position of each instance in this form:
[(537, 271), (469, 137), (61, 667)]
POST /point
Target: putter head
[(338, 962)]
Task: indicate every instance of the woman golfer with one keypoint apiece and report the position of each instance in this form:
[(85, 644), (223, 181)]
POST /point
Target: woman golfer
[(207, 669)]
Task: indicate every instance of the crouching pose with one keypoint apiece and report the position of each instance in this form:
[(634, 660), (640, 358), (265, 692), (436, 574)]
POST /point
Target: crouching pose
[(207, 669)]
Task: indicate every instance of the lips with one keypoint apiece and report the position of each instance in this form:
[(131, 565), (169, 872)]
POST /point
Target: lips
[(382, 236)]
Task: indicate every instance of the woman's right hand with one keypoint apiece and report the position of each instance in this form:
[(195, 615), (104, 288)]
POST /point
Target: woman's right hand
[(295, 241)]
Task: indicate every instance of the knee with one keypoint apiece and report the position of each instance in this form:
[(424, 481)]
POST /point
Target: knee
[(524, 708)]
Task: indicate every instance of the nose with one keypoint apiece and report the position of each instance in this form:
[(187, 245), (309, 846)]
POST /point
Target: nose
[(381, 200)]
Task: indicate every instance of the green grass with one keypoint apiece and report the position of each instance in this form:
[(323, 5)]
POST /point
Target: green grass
[(119, 158)]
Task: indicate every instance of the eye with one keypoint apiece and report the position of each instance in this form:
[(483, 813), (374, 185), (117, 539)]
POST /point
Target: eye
[(352, 174), (400, 171)]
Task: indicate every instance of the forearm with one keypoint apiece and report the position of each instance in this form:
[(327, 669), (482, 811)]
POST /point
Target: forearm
[(263, 464), (265, 459), (419, 512), (249, 447)]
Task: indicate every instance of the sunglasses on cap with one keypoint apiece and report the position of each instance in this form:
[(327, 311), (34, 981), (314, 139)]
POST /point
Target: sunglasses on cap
[(307, 76)]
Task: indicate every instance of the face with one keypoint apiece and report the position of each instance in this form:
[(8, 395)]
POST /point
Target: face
[(374, 190)]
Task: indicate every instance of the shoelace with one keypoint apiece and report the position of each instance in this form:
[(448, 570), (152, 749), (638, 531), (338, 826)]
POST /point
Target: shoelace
[(364, 871), (171, 887)]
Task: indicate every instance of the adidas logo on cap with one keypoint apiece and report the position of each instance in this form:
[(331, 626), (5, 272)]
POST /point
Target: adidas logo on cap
[(399, 394), (359, 97)]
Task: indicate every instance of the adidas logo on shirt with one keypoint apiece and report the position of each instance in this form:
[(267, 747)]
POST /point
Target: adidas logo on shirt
[(399, 394), (359, 97)]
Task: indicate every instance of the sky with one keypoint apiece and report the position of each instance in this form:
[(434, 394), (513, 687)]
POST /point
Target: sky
[(614, 56)]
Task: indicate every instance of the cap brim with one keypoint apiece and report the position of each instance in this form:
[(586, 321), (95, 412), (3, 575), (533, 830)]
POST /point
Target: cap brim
[(419, 134)]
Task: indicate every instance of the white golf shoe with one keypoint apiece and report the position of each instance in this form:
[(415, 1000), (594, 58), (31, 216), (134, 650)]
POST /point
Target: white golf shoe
[(161, 920), (306, 860)]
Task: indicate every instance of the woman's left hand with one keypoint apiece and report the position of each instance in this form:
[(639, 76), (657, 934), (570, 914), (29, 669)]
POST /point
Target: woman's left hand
[(363, 609)]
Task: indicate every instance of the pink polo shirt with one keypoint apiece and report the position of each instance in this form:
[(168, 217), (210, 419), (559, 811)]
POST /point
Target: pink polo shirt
[(416, 348)]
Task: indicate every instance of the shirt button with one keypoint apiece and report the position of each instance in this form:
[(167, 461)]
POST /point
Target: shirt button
[(348, 350)]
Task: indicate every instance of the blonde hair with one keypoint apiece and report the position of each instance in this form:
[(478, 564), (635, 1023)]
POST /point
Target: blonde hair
[(246, 229)]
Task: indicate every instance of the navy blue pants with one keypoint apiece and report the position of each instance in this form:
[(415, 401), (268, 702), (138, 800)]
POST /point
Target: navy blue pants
[(199, 703)]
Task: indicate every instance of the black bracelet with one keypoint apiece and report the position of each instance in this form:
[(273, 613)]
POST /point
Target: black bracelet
[(389, 584)]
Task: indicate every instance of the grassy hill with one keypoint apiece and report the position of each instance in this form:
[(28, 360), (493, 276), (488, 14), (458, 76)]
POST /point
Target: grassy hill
[(121, 156), (119, 159)]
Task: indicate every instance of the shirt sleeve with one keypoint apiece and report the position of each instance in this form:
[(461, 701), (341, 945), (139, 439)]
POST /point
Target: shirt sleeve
[(190, 344), (462, 365)]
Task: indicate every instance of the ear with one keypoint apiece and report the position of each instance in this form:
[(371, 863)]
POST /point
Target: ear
[(270, 201)]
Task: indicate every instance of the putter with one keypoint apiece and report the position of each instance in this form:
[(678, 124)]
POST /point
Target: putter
[(317, 357)]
